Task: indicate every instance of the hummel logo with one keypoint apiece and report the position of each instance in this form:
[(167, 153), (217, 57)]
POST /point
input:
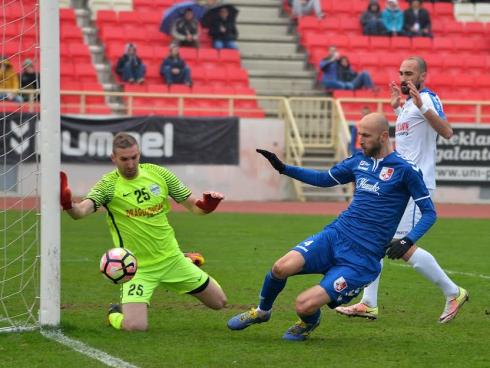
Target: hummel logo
[(126, 194), (306, 243)]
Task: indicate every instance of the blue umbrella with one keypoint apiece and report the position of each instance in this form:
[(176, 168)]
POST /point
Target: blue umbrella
[(176, 11)]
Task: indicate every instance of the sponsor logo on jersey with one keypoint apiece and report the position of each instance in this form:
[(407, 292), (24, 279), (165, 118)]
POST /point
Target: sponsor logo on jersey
[(340, 284), (402, 129), (143, 212), (363, 184), (155, 189), (386, 173), (363, 165)]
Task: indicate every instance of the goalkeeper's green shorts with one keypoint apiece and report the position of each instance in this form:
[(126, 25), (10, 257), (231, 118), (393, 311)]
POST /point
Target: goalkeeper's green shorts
[(176, 273)]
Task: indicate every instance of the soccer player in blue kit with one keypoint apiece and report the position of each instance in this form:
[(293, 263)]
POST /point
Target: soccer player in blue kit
[(347, 251)]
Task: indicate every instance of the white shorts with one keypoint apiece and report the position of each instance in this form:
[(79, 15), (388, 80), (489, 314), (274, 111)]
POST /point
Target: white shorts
[(410, 218)]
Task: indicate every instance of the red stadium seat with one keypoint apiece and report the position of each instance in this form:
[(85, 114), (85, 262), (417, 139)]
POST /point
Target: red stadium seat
[(401, 44), (443, 9), (421, 44), (380, 43), (229, 57)]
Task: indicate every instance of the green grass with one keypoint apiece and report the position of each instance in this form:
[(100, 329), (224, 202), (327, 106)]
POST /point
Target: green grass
[(239, 250)]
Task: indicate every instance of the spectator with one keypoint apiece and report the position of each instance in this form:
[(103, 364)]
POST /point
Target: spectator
[(8, 80), (306, 7), (392, 18), (417, 20), (371, 20), (185, 30), (29, 79), (223, 31), (337, 73), (174, 70), (130, 67), (353, 79)]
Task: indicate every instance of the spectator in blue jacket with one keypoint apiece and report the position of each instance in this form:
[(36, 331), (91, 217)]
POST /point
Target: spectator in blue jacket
[(392, 18), (130, 67), (371, 20), (338, 74), (174, 70)]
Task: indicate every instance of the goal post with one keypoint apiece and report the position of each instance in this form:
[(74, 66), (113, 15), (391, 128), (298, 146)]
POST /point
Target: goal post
[(49, 126)]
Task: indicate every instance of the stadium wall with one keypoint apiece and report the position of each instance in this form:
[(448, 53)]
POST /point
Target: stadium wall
[(253, 179)]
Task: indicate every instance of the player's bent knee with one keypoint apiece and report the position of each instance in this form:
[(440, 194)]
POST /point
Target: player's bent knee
[(305, 306), (135, 326), (280, 269)]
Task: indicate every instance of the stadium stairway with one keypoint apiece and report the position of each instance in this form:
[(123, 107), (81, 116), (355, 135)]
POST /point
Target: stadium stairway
[(275, 63), (102, 65)]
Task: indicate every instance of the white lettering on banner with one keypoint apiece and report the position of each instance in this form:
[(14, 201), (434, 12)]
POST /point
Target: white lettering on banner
[(99, 144), (363, 184), (462, 138), (457, 154), (463, 173)]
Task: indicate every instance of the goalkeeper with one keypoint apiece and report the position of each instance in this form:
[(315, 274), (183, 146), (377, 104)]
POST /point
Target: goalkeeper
[(135, 196)]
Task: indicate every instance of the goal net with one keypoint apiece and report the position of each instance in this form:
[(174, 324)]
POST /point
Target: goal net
[(19, 165)]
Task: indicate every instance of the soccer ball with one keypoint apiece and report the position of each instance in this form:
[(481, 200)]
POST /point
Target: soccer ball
[(118, 265)]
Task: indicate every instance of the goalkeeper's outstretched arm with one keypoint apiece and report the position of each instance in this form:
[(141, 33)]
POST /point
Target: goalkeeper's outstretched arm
[(81, 209), (75, 210), (205, 205)]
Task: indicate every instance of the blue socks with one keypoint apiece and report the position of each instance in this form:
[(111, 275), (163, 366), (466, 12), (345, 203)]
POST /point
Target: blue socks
[(311, 319), (270, 290)]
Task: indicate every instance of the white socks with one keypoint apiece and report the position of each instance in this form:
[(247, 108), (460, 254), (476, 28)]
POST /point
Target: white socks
[(370, 294), (426, 265)]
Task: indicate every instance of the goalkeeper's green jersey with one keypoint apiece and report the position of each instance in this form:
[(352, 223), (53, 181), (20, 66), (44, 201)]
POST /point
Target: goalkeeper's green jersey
[(137, 211)]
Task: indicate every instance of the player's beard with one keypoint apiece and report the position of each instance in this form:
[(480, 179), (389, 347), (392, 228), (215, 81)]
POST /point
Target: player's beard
[(373, 151), (404, 87)]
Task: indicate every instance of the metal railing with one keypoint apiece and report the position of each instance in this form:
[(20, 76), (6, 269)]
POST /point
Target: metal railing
[(457, 111)]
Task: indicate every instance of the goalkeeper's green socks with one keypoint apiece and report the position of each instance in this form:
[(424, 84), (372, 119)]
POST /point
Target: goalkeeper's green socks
[(116, 320)]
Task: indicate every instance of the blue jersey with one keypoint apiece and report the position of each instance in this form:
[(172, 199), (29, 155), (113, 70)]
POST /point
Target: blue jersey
[(383, 188)]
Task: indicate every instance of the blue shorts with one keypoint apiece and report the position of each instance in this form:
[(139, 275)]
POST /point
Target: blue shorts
[(347, 269)]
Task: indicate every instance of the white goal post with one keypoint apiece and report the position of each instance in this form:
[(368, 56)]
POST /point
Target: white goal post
[(49, 313)]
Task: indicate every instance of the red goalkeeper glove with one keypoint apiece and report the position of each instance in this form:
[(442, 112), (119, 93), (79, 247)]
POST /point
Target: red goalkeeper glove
[(65, 192), (209, 201)]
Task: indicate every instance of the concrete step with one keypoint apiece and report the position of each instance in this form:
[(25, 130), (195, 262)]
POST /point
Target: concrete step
[(282, 87), (293, 74), (257, 55), (262, 12), (267, 38), (245, 30), (273, 65), (262, 21), (273, 48)]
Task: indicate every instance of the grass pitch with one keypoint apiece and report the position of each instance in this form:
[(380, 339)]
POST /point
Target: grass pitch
[(239, 250)]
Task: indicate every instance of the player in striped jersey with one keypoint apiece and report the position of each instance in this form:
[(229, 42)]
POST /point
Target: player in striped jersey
[(135, 196)]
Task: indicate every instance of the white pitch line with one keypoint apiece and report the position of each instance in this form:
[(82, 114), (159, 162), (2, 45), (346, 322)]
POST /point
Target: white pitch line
[(86, 350), (471, 274)]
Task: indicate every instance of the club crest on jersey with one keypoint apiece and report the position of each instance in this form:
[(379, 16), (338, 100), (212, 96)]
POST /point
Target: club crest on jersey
[(363, 165), (386, 173), (340, 284), (155, 189)]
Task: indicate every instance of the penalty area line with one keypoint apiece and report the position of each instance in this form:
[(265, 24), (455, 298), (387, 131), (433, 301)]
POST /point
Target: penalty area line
[(471, 274), (86, 350)]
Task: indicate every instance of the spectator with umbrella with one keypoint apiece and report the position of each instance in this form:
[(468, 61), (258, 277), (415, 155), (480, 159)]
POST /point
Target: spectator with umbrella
[(177, 11), (185, 30), (221, 21)]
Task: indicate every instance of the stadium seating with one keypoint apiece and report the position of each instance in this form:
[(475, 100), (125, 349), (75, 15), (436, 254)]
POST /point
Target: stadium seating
[(211, 70), (458, 53)]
